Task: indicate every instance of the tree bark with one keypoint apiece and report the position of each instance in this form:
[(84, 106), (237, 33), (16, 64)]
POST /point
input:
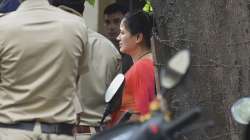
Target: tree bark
[(217, 33)]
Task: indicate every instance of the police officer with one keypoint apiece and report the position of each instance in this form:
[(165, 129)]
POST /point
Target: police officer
[(104, 64), (41, 56)]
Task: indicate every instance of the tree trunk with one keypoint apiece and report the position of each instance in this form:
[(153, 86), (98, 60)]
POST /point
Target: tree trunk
[(217, 33)]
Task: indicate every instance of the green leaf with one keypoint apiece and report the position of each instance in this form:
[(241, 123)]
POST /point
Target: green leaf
[(91, 2), (148, 7)]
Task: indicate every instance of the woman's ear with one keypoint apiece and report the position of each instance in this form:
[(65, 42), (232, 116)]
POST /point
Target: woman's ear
[(139, 38)]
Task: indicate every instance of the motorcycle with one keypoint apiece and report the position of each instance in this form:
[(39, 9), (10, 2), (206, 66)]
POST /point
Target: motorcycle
[(158, 126), (241, 113)]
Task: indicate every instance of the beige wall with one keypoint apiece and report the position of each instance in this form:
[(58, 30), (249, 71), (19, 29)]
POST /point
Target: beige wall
[(94, 14)]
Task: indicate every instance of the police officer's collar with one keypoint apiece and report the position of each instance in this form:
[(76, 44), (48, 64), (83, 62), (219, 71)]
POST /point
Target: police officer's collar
[(31, 4)]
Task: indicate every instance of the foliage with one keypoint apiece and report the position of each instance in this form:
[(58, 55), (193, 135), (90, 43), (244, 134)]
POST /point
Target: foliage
[(91, 2), (148, 7)]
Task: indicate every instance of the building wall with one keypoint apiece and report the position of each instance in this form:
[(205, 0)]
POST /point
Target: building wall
[(91, 15)]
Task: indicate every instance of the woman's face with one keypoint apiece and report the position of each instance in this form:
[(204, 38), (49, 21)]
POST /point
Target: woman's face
[(127, 42)]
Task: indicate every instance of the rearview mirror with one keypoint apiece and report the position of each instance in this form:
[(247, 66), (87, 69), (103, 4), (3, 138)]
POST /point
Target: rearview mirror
[(113, 95), (113, 87), (176, 68), (241, 110)]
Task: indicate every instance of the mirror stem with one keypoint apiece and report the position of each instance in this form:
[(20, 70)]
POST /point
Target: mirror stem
[(163, 104), (105, 114)]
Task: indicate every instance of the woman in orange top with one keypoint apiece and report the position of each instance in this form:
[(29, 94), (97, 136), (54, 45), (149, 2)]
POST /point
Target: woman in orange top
[(139, 89)]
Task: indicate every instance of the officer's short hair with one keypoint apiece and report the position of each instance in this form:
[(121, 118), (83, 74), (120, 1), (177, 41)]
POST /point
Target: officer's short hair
[(77, 5), (114, 8)]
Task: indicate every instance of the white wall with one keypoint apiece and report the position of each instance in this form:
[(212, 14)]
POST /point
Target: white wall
[(91, 15)]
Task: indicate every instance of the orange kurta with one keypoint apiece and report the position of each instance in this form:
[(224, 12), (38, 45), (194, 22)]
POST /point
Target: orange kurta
[(139, 89)]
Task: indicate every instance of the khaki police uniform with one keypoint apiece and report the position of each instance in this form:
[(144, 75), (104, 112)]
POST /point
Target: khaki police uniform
[(104, 63), (42, 50)]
